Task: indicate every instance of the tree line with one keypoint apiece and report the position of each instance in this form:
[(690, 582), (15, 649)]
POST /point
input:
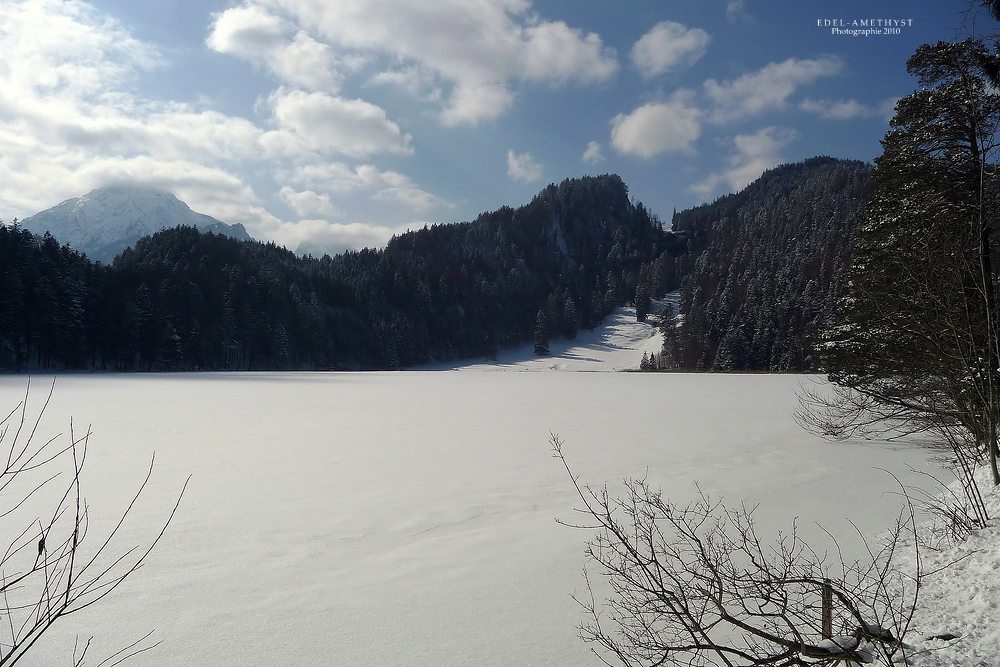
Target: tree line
[(184, 300), (766, 269)]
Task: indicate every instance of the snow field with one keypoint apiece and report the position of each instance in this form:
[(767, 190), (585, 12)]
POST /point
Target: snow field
[(617, 344), (960, 596), (380, 518)]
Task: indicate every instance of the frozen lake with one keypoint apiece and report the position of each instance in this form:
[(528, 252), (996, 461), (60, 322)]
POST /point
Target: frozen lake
[(408, 518)]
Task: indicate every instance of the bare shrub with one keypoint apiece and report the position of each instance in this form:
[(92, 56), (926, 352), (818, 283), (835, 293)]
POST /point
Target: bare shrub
[(697, 585), (51, 566)]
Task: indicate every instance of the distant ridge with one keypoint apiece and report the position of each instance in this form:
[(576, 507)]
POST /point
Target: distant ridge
[(766, 268), (184, 300), (105, 221)]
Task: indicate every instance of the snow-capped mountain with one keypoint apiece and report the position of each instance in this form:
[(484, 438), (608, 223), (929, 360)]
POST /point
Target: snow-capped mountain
[(105, 221)]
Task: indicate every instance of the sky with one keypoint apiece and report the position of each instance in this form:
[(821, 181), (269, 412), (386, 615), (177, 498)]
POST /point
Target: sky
[(326, 125)]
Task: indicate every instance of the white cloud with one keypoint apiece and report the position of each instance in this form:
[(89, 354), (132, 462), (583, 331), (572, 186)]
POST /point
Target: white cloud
[(477, 48), (66, 127), (753, 154), (69, 124), (330, 124), (473, 103), (593, 154), (766, 89), (63, 47), (555, 52), (658, 127), (667, 46), (385, 186), (258, 36), (319, 237), (523, 167), (736, 10), (417, 81), (309, 204), (848, 109)]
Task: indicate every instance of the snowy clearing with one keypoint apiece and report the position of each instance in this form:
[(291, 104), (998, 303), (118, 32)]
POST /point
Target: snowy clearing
[(408, 517), (616, 344), (380, 518)]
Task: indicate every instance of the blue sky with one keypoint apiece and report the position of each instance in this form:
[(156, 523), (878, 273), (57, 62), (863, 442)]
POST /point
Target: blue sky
[(332, 124)]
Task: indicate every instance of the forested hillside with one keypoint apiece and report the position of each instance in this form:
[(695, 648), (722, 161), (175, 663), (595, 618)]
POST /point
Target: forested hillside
[(766, 268), (182, 300)]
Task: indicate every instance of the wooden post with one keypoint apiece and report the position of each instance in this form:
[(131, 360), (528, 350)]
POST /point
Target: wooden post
[(827, 609)]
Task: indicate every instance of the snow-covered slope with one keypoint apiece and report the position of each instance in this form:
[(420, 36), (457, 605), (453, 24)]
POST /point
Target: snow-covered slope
[(956, 618), (616, 344), (105, 221)]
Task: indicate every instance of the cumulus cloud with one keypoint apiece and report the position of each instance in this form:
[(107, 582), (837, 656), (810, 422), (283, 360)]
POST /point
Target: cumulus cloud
[(523, 167), (418, 81), (752, 155), (766, 89), (658, 127), (736, 10), (309, 204), (66, 127), (593, 154), (332, 124), (474, 48), (473, 103), (69, 124), (320, 237), (667, 46), (385, 186), (555, 52), (254, 34), (848, 109)]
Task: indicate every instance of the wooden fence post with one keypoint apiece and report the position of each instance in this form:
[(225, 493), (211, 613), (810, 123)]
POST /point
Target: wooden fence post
[(827, 609)]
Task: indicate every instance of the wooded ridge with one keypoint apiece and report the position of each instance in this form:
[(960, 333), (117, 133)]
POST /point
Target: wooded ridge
[(760, 271)]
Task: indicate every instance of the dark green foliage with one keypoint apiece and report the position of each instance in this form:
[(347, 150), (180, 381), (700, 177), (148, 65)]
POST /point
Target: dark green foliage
[(993, 6), (45, 291), (183, 300), (541, 333), (918, 335), (571, 322), (766, 268)]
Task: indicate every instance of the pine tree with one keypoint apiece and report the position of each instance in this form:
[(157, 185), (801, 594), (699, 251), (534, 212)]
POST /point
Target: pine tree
[(917, 345), (571, 323), (541, 333), (642, 302)]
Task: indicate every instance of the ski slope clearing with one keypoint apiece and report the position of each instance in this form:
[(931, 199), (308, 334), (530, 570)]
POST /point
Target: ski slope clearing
[(408, 517), (616, 344)]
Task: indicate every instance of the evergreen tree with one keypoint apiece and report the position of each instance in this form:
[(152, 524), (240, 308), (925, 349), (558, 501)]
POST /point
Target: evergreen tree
[(541, 333), (571, 323), (917, 344), (642, 302), (764, 267), (182, 300)]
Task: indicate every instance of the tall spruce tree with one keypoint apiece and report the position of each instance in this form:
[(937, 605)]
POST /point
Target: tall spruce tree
[(541, 333), (916, 347)]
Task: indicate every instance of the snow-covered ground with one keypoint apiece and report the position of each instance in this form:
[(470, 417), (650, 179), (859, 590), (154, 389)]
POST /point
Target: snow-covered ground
[(617, 344), (408, 518), (961, 598)]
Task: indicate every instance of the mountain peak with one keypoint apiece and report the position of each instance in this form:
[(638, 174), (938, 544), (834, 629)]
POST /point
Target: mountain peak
[(107, 220)]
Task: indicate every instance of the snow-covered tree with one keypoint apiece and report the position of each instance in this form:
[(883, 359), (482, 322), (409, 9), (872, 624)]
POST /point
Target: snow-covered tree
[(541, 333), (916, 347)]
